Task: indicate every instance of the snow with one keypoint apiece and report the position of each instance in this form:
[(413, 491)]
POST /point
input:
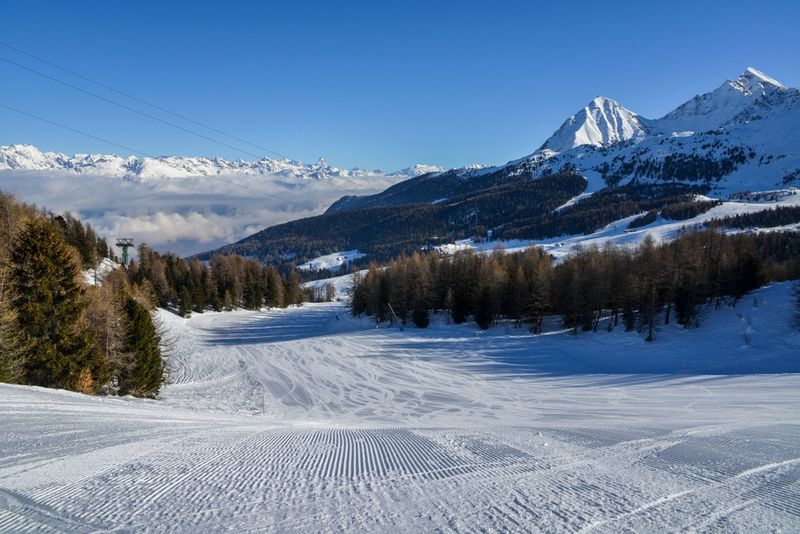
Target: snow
[(95, 276), (294, 420), (28, 157), (574, 200), (307, 419), (763, 78), (602, 122), (419, 169), (333, 262), (342, 284), (618, 232)]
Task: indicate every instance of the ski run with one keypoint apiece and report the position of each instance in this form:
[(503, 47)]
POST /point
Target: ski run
[(309, 420)]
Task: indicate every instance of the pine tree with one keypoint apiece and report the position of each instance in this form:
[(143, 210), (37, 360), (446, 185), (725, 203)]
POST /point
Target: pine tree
[(293, 292), (796, 290), (483, 307), (185, 302), (10, 361), (420, 316), (330, 292), (53, 341), (145, 374), (273, 294), (449, 300), (537, 298)]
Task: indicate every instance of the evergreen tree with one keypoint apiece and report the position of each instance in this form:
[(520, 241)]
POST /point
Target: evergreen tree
[(10, 363), (449, 299), (796, 290), (293, 293), (185, 302), (145, 374), (330, 292), (53, 342), (483, 307), (420, 317), (274, 293)]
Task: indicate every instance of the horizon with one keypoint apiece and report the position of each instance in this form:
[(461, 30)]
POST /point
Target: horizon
[(280, 157), (357, 117)]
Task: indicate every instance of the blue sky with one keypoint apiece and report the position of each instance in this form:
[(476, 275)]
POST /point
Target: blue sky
[(374, 84)]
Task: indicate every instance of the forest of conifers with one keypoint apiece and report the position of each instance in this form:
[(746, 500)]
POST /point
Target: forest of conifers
[(589, 288), (59, 330)]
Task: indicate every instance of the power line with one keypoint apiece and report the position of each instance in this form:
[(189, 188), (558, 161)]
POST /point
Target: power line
[(73, 130), (125, 106), (145, 114), (64, 126), (141, 100)]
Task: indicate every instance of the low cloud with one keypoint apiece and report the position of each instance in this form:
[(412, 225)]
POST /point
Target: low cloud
[(185, 215)]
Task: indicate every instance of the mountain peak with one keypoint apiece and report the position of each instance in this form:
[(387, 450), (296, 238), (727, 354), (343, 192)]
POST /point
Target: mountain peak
[(752, 74), (732, 99), (602, 122), (600, 101)]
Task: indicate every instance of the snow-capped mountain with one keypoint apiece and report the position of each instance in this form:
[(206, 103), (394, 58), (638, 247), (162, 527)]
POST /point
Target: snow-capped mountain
[(733, 101), (418, 170), (27, 157), (602, 122), (743, 135)]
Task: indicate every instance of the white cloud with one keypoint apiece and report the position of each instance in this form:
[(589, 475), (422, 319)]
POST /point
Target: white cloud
[(185, 215)]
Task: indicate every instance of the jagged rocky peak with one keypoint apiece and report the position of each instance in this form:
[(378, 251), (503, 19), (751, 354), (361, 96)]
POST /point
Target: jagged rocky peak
[(603, 122)]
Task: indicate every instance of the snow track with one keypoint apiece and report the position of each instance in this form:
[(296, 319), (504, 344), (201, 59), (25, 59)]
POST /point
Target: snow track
[(294, 420)]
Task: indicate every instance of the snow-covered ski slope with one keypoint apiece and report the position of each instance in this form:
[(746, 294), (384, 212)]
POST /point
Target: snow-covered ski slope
[(294, 420)]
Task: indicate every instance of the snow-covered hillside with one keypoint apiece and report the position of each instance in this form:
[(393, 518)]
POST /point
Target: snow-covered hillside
[(333, 262), (95, 276), (620, 234), (307, 420)]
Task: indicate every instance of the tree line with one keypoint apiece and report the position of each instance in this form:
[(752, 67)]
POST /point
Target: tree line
[(224, 283), (768, 218), (591, 288), (59, 330)]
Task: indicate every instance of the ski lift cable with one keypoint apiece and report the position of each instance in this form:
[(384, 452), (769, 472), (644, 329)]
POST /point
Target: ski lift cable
[(141, 153), (141, 100), (145, 114)]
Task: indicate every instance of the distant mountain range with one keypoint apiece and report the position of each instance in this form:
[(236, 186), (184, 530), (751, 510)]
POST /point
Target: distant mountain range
[(742, 136), (30, 158)]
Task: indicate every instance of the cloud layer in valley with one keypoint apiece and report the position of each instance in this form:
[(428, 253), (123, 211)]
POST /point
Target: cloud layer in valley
[(185, 215)]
